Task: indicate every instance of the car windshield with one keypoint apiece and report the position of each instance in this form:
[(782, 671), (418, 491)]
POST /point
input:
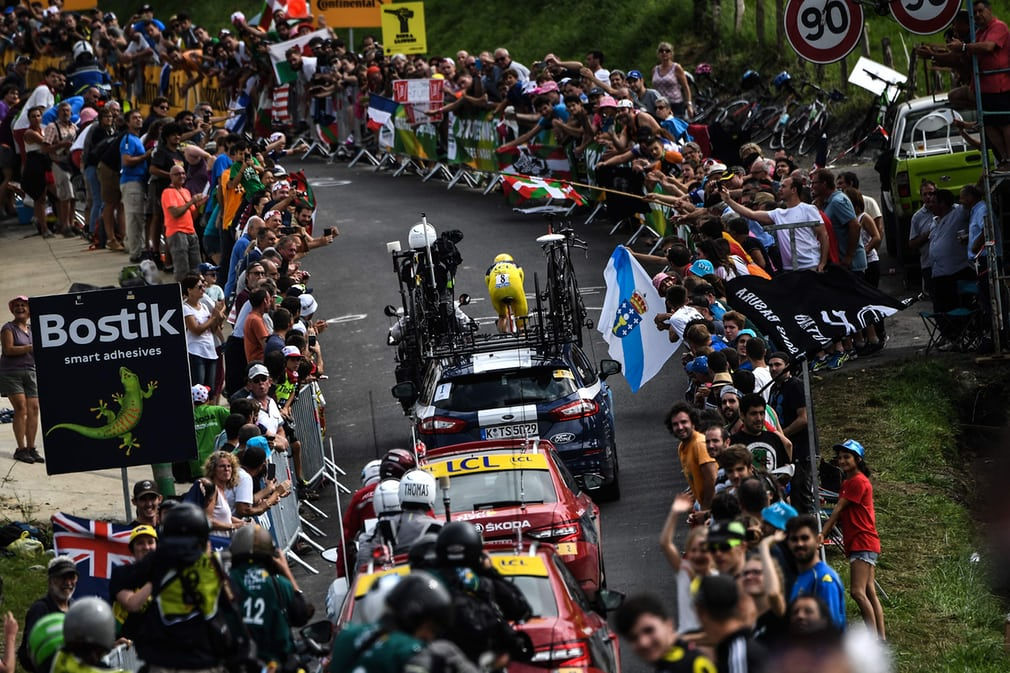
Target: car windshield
[(490, 390), (501, 488), (538, 593)]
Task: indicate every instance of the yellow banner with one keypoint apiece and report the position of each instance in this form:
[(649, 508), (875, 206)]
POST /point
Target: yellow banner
[(487, 463), (365, 582), (79, 5), (519, 565), (403, 28), (350, 13)]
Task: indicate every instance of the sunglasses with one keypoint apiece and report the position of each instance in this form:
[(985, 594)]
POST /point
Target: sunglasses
[(722, 546), (664, 50)]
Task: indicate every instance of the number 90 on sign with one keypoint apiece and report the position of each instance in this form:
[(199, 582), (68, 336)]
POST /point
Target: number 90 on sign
[(823, 31), (924, 17)]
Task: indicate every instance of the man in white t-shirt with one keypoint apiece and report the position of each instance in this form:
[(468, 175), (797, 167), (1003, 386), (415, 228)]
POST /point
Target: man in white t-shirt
[(245, 501), (812, 246), (681, 312)]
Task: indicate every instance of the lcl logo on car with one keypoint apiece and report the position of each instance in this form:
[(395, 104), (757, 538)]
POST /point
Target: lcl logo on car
[(562, 438)]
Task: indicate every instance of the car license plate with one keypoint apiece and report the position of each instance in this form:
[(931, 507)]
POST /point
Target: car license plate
[(515, 431)]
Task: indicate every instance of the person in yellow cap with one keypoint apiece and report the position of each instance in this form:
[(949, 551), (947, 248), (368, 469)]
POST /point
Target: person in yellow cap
[(122, 582), (505, 285)]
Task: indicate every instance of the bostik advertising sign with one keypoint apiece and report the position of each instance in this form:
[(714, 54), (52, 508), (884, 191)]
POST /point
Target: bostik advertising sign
[(113, 374)]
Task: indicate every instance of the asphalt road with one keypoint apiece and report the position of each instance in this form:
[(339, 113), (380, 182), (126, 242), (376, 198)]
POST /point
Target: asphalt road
[(353, 281)]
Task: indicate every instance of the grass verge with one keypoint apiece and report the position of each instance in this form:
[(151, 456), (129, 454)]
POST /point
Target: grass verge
[(942, 615), (24, 582)]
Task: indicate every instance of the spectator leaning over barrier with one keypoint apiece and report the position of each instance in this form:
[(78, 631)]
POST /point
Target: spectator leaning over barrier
[(131, 183), (254, 494), (178, 208)]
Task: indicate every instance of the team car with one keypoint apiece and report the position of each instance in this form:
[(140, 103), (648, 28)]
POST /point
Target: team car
[(524, 393), (567, 634), (520, 489)]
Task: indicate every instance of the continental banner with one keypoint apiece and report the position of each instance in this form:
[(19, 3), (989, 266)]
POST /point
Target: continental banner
[(419, 141), (473, 139)]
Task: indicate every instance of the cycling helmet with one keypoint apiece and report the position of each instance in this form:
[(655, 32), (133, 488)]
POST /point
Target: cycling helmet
[(422, 553), (370, 472), (185, 520), (89, 621), (46, 638), (703, 69), (504, 257), (421, 235), (750, 78), (459, 544), (395, 463), (373, 603), (417, 488), (251, 542), (419, 598), (781, 79), (386, 499)]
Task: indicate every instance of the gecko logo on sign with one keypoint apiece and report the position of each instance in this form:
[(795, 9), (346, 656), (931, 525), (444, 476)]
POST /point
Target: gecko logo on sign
[(123, 325)]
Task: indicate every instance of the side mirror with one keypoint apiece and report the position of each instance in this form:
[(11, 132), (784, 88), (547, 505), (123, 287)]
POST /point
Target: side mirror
[(610, 599), (405, 391), (464, 299), (609, 368), (390, 310)]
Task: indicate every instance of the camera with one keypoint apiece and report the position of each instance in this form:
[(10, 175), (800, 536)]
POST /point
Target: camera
[(330, 231)]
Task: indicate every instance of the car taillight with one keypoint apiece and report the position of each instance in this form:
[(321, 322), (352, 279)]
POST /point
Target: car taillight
[(440, 425), (567, 655), (573, 410), (904, 189), (559, 532)]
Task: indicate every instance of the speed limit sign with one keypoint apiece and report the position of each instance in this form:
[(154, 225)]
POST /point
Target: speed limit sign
[(924, 17), (824, 31)]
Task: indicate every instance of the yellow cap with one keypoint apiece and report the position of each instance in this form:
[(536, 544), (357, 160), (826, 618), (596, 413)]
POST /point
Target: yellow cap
[(143, 529)]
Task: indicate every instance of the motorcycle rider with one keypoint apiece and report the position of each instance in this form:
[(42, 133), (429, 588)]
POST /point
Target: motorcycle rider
[(418, 608), (271, 601), (387, 507), (483, 601), (417, 497), (89, 632)]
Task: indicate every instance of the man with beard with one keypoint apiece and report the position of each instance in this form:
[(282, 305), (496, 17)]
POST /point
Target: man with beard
[(770, 449), (729, 407), (814, 576), (699, 467), (62, 583)]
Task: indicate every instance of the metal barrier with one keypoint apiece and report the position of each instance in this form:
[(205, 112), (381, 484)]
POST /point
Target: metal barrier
[(123, 657), (305, 412), (282, 520)]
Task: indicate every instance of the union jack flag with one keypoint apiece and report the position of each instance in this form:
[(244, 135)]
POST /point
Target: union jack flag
[(95, 546)]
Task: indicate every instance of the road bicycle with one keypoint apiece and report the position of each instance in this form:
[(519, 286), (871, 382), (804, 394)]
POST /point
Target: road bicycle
[(809, 123), (567, 312)]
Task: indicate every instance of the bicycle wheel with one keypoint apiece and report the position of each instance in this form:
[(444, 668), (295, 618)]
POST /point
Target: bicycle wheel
[(812, 136), (763, 125), (796, 128), (733, 115), (577, 309)]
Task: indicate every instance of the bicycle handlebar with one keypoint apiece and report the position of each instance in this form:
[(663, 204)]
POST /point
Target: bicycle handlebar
[(834, 95)]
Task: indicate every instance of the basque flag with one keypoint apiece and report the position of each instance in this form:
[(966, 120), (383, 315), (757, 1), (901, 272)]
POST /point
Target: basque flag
[(380, 111), (97, 547), (628, 320)]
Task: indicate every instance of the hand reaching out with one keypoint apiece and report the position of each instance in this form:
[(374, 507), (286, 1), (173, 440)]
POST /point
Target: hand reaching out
[(684, 502)]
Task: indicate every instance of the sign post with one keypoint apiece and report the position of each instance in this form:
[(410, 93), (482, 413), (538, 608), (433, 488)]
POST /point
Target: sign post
[(113, 375), (924, 17), (823, 31)]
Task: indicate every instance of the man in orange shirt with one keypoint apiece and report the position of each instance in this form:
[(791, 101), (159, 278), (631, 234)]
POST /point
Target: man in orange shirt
[(178, 207), (256, 332), (699, 468)]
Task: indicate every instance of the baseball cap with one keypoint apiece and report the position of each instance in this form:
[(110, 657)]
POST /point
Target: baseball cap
[(309, 304), (143, 487), (749, 332), (279, 171), (143, 529), (298, 327), (852, 446), (634, 74), (778, 514), (726, 530), (200, 393), (258, 442), (109, 16), (699, 365), (607, 101), (292, 352), (658, 279), (61, 565), (207, 267), (625, 104), (729, 390), (257, 370), (702, 267), (549, 85), (595, 91), (88, 114)]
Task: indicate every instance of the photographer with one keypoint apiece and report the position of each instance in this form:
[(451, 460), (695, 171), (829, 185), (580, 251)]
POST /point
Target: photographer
[(271, 601)]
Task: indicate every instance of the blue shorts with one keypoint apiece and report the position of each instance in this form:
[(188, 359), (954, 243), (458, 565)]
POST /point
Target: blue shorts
[(864, 556)]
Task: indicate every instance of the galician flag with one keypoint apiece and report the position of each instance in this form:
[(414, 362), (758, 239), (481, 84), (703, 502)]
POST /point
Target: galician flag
[(628, 320), (519, 188), (283, 71)]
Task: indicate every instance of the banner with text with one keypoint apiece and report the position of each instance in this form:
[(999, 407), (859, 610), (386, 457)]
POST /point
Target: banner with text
[(419, 141), (350, 13), (418, 96), (113, 376), (473, 138), (403, 29)]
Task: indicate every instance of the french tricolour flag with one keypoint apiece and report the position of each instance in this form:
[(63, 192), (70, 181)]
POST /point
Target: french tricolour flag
[(628, 320), (380, 111)]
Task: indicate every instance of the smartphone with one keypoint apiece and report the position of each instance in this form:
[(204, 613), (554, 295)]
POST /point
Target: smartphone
[(330, 231), (206, 116), (271, 471), (312, 341)]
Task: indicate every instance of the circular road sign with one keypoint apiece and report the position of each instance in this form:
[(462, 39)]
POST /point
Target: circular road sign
[(824, 31), (924, 17)]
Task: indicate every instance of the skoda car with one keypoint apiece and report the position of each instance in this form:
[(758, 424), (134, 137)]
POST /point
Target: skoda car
[(519, 490), (567, 634), (518, 393)]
